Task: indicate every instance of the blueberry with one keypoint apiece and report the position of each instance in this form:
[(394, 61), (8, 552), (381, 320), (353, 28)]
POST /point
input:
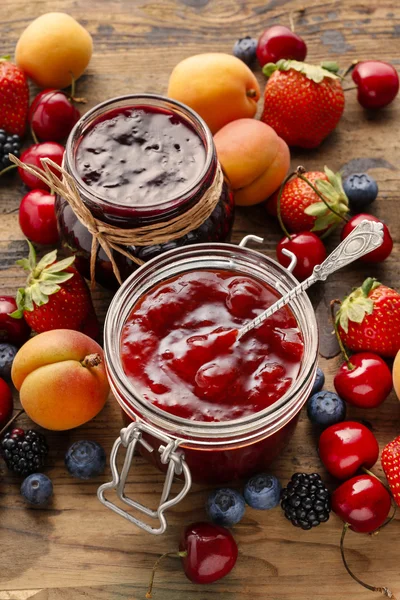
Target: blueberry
[(85, 459), (262, 491), (326, 408), (361, 189), (245, 49), (225, 507), (37, 489), (7, 355), (319, 382)]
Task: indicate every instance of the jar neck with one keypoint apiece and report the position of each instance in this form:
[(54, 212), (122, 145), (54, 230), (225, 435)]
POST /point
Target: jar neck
[(133, 216), (210, 256)]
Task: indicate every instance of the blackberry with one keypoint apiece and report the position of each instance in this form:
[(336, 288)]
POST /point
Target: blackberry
[(8, 143), (24, 451), (306, 500)]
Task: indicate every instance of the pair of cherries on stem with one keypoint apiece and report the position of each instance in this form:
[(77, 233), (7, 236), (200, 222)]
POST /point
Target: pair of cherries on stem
[(362, 501)]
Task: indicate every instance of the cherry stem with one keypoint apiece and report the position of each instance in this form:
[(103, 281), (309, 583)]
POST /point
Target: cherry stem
[(278, 204), (7, 169), (11, 421), (339, 339), (353, 87), (300, 174), (383, 590), (34, 136), (349, 68), (300, 10), (181, 554)]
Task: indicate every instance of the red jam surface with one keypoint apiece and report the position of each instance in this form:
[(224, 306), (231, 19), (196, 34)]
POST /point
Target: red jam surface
[(178, 347), (140, 156)]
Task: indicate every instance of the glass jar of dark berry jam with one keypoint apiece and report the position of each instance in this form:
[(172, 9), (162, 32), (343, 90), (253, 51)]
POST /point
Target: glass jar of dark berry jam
[(139, 160), (197, 407)]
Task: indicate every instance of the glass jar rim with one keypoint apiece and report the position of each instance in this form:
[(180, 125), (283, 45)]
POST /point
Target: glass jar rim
[(203, 256), (131, 99)]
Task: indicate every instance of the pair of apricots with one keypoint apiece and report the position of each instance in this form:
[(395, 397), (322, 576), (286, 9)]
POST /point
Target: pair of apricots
[(225, 92)]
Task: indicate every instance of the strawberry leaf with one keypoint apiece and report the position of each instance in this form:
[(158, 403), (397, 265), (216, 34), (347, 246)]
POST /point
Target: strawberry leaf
[(60, 265), (316, 210), (28, 304), (47, 260), (316, 73), (56, 277), (38, 297), (24, 263), (330, 65), (32, 256), (369, 284), (325, 221), (48, 288)]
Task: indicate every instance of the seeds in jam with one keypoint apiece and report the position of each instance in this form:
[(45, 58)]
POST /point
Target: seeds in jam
[(140, 156), (178, 347)]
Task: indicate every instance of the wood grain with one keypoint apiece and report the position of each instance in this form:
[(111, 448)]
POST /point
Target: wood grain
[(75, 548)]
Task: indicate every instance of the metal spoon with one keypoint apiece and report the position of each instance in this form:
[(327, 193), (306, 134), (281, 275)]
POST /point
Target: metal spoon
[(367, 236)]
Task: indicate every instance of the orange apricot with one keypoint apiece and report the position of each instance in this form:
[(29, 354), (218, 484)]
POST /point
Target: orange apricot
[(218, 86)]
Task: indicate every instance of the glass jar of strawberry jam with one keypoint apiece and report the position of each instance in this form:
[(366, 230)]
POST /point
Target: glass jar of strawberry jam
[(140, 160), (199, 405)]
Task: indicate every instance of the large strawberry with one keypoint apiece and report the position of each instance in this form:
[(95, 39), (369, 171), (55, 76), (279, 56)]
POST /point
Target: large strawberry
[(302, 102), (369, 319), (302, 209), (55, 296), (14, 98), (391, 465)]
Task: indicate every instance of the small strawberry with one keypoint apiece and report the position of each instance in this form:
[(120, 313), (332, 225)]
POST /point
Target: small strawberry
[(55, 296), (390, 460), (369, 319), (303, 210), (302, 102), (14, 98)]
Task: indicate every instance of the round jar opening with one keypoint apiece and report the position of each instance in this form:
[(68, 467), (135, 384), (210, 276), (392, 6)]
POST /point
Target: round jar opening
[(222, 258), (142, 153)]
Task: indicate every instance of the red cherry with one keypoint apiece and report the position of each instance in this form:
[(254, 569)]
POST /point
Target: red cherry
[(366, 385), (211, 552), (363, 502), (37, 217), (32, 156), (346, 447), (52, 115), (377, 82), (12, 331), (280, 42), (6, 403), (384, 249), (308, 248)]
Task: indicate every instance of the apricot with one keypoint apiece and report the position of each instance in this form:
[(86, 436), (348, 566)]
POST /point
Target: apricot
[(52, 49), (218, 86), (61, 378), (396, 374), (254, 158)]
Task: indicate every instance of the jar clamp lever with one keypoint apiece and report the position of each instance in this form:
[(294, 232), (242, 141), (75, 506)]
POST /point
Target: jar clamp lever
[(129, 438)]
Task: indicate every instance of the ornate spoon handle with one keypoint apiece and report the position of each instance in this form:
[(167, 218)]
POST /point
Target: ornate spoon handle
[(367, 236)]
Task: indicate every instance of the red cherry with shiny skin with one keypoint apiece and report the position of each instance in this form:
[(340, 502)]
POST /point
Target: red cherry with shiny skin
[(363, 502), (377, 83), (6, 403), (380, 253), (280, 42), (32, 156), (346, 447), (37, 217), (211, 552), (308, 248), (366, 385), (12, 331), (52, 115)]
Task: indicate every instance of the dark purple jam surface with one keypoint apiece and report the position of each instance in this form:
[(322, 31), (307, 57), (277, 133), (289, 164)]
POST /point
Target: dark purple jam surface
[(140, 156)]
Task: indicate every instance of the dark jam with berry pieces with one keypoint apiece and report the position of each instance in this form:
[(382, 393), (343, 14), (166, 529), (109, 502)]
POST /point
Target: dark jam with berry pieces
[(140, 156), (139, 161), (178, 347)]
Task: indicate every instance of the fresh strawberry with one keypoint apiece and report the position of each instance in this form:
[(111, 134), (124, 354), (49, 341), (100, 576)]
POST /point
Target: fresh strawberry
[(302, 102), (303, 210), (369, 319), (55, 296), (14, 98), (390, 460)]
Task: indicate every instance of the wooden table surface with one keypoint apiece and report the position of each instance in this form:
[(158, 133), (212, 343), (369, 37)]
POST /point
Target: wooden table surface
[(76, 548)]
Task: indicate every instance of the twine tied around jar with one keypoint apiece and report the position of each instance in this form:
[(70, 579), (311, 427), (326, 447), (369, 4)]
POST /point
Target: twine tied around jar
[(110, 237)]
